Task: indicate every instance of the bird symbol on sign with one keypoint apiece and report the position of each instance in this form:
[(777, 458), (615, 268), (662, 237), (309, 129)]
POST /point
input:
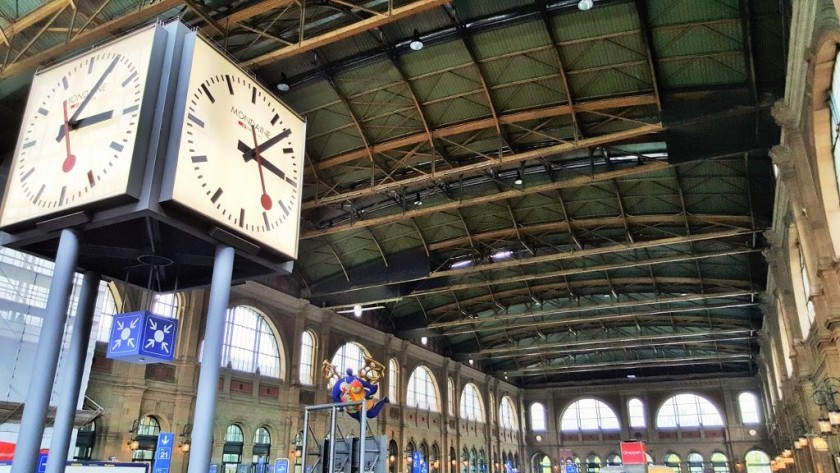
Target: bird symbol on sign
[(125, 334)]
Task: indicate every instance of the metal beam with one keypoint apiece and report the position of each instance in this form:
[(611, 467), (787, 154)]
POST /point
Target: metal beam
[(43, 12), (237, 17), (631, 364), (339, 34), (195, 7)]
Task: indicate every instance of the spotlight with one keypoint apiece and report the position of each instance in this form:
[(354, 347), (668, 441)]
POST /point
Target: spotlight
[(283, 85), (585, 4), (416, 44), (518, 180), (357, 310)]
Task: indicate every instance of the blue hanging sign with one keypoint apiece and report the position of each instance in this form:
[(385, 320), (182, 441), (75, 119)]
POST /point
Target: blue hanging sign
[(142, 337), (163, 452), (281, 465), (571, 468)]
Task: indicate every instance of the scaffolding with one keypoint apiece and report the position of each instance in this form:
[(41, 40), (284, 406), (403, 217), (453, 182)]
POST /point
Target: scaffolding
[(335, 451)]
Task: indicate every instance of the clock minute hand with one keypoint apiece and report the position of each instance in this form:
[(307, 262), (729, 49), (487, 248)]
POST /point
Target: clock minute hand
[(87, 121), (248, 154), (268, 143), (73, 120)]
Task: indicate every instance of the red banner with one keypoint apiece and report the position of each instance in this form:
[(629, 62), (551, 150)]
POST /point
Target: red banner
[(633, 453)]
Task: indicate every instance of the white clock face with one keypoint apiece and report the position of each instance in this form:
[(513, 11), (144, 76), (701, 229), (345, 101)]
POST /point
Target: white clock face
[(79, 131), (239, 159)]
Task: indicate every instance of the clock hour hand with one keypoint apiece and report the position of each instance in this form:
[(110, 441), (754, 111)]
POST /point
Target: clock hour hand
[(87, 121), (248, 154), (267, 144), (75, 118)]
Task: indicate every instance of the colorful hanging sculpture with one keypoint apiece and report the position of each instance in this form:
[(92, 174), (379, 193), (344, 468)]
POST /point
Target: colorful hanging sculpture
[(359, 387)]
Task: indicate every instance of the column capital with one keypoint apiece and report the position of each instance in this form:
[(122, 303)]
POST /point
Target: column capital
[(783, 114)]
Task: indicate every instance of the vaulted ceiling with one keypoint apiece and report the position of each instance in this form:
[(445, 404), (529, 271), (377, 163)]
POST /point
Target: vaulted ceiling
[(550, 194)]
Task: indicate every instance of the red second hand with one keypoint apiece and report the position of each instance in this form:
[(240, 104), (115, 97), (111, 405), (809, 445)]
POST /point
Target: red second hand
[(70, 160), (265, 199)]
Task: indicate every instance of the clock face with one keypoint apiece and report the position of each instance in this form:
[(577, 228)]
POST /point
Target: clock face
[(239, 154), (78, 136)]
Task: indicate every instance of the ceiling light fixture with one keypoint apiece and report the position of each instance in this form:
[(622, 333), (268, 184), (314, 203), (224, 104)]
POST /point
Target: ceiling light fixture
[(283, 85), (416, 44), (462, 263), (518, 181), (357, 310), (501, 254), (585, 4)]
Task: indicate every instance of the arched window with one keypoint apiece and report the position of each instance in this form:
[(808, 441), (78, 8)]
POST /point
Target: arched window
[(350, 355), (748, 406), (613, 460), (232, 453), (450, 394), (507, 416), (801, 280), (434, 459), (262, 445), (85, 437), (688, 410), (307, 358), (492, 410), (673, 460), (588, 414), (695, 463), (393, 456), (720, 464), (422, 390), (393, 380), (636, 411), (784, 339), (167, 305), (757, 462), (543, 464), (145, 439), (471, 406), (249, 343), (593, 464), (537, 417)]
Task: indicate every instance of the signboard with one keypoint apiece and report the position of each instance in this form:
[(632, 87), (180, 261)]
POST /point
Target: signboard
[(261, 465), (42, 463), (633, 453), (571, 468), (163, 452), (281, 465), (142, 337), (416, 460)]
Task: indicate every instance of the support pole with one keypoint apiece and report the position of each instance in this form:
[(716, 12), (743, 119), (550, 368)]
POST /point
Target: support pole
[(46, 359), (66, 414), (208, 380)]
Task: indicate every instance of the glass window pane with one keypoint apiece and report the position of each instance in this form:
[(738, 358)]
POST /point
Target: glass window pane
[(636, 411), (588, 415), (688, 410), (422, 390), (307, 358), (470, 406), (507, 418), (537, 417), (748, 405)]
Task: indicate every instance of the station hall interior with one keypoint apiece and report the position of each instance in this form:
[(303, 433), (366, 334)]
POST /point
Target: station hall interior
[(555, 226)]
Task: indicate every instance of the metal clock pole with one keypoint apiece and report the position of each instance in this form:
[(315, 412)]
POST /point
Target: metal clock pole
[(46, 360), (64, 417), (208, 379)]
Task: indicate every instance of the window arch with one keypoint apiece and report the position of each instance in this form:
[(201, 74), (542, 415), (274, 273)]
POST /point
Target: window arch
[(720, 464), (262, 445), (588, 414), (145, 439), (422, 391), (757, 462), (307, 357), (249, 343), (673, 460), (695, 463), (538, 417), (748, 407), (688, 410), (350, 355), (593, 463), (636, 412), (613, 460), (507, 414), (167, 305), (471, 406), (234, 440), (393, 380), (801, 284), (492, 410)]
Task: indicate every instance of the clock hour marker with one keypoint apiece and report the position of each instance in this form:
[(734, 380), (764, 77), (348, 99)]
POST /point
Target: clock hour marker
[(285, 210), (291, 181), (265, 219), (241, 217), (254, 95), (28, 144), (61, 196), (288, 150), (129, 79), (229, 83), (91, 179), (195, 120), (131, 109), (216, 195), (90, 64), (275, 118), (40, 191), (116, 146), (64, 83), (207, 91), (43, 111), (27, 174), (199, 159)]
